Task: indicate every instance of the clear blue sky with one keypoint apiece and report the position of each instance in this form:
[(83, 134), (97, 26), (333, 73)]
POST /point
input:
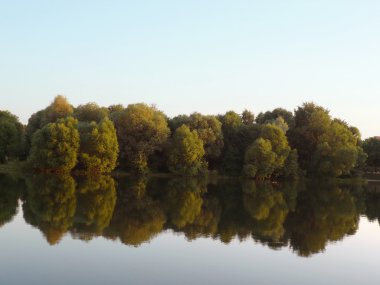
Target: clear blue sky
[(185, 56)]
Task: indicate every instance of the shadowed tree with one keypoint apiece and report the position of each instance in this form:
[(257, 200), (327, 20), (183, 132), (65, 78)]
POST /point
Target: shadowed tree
[(372, 147), (141, 130), (11, 137)]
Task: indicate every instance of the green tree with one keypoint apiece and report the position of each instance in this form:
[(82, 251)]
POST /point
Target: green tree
[(372, 147), (11, 137), (270, 116), (141, 130), (60, 108), (90, 112), (267, 155), (99, 147), (247, 117), (259, 159), (209, 130), (325, 146), (55, 146), (186, 152)]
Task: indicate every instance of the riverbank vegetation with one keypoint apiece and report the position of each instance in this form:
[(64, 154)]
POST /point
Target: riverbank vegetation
[(140, 139)]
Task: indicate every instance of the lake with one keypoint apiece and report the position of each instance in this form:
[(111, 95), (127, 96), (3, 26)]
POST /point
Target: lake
[(101, 230)]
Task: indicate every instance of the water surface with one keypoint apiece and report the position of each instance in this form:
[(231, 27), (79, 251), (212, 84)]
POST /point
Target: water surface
[(65, 230)]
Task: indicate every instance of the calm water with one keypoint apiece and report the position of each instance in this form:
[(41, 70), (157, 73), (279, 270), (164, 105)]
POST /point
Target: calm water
[(57, 230)]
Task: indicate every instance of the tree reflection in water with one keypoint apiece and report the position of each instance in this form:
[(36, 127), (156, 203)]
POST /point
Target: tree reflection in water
[(304, 216)]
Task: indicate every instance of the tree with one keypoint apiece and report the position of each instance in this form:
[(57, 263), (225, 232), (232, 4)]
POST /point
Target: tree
[(99, 148), (141, 130), (267, 155), (259, 160), (247, 117), (325, 146), (186, 152), (278, 141), (55, 146), (209, 130), (60, 108), (372, 147), (90, 112), (270, 116), (11, 137)]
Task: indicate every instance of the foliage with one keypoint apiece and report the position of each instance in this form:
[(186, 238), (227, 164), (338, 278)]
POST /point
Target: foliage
[(270, 116), (141, 130), (60, 108), (11, 137), (50, 205), (99, 147), (267, 155), (372, 147), (186, 152), (90, 112), (55, 146), (96, 200), (325, 146)]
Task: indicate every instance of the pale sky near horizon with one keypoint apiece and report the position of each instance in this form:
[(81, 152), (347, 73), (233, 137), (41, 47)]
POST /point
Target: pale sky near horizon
[(185, 56)]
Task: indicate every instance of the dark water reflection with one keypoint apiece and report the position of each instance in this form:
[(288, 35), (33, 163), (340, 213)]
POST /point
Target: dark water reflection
[(304, 216)]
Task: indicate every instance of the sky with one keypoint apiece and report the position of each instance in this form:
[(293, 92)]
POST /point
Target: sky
[(185, 56)]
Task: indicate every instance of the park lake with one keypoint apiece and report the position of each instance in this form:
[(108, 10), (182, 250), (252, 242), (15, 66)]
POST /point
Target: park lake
[(124, 230)]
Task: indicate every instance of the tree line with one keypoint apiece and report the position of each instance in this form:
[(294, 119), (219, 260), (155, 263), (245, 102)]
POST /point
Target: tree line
[(140, 138)]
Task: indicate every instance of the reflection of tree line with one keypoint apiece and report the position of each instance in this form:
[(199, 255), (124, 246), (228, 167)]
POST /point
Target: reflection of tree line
[(304, 216)]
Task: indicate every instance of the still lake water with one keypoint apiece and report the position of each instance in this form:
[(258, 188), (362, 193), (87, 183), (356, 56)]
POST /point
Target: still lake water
[(57, 230)]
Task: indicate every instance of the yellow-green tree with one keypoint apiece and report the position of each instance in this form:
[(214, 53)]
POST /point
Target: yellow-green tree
[(60, 108), (186, 152), (99, 147), (55, 146)]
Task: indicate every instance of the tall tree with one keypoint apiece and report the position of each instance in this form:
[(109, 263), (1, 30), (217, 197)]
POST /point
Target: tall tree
[(325, 146), (141, 130)]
